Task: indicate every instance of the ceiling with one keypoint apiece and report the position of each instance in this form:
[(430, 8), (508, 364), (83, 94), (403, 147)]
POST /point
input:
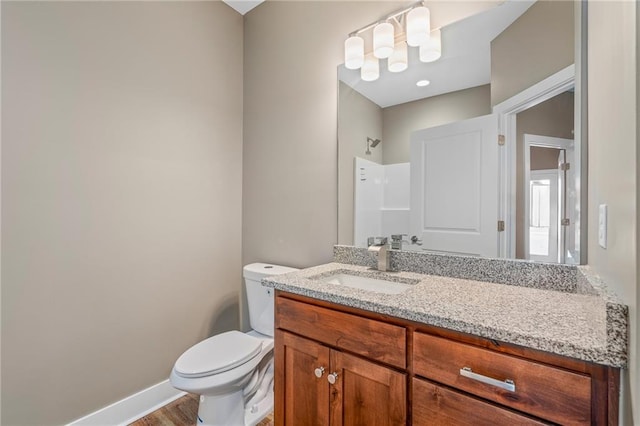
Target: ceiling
[(243, 6), (465, 61)]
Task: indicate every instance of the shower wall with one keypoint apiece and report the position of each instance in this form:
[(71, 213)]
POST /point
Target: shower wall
[(381, 200)]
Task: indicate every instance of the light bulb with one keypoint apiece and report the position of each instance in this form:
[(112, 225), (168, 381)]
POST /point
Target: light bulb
[(418, 26), (398, 61), (353, 52), (383, 40), (433, 49), (370, 70)]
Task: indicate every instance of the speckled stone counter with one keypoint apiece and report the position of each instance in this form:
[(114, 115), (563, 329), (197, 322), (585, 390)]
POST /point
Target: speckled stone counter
[(576, 317)]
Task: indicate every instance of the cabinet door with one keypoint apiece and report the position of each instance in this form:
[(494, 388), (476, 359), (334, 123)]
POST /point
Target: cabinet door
[(366, 394), (434, 405), (301, 397)]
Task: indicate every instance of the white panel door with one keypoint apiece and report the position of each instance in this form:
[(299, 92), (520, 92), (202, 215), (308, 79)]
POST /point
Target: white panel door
[(454, 187)]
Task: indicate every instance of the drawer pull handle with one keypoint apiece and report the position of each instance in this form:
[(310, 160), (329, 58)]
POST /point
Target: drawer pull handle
[(506, 385), (332, 378), (319, 372)]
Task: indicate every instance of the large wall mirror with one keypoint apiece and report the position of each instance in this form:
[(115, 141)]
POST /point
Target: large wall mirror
[(488, 158)]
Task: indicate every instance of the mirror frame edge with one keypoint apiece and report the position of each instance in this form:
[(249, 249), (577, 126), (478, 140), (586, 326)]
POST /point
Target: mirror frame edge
[(581, 117)]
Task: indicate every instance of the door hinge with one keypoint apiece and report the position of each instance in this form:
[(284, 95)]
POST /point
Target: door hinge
[(500, 225), (565, 222), (501, 140), (565, 166)]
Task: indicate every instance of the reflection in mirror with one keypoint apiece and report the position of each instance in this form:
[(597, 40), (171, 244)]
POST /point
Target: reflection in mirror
[(377, 181), (546, 180)]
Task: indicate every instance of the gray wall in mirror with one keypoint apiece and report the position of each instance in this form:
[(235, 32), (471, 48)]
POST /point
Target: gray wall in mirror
[(538, 44)]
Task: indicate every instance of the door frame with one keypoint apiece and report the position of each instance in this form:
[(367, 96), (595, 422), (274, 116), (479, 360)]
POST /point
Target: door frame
[(551, 86), (553, 175), (545, 142)]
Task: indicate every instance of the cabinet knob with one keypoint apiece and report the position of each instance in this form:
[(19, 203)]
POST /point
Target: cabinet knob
[(332, 378), (319, 372)]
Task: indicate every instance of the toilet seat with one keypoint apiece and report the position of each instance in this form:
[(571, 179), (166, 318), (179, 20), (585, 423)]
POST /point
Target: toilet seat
[(218, 354)]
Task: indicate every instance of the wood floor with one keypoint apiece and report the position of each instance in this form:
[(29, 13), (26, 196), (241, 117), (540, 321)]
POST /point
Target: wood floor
[(181, 412)]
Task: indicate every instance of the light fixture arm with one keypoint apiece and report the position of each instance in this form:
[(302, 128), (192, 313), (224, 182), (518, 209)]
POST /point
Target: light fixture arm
[(393, 16)]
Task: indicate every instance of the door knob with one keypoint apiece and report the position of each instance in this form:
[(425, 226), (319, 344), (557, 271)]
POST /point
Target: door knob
[(319, 372), (332, 378)]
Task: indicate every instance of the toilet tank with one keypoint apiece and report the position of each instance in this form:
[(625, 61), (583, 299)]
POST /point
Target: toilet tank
[(259, 298)]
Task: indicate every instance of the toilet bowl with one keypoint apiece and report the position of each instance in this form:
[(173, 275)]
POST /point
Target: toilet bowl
[(233, 371)]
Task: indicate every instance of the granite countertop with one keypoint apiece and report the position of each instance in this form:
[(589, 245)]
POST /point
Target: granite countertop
[(586, 324)]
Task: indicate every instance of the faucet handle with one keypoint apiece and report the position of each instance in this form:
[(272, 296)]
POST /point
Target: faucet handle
[(397, 240)]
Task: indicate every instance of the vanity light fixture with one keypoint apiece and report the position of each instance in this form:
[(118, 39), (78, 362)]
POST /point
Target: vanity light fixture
[(354, 52), (431, 50), (399, 59), (370, 70), (383, 40), (391, 36), (418, 26)]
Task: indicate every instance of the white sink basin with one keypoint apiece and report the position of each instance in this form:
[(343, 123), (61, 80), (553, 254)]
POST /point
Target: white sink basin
[(367, 283)]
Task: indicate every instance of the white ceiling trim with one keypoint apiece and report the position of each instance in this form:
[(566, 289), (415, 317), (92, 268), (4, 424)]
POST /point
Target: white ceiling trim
[(243, 6)]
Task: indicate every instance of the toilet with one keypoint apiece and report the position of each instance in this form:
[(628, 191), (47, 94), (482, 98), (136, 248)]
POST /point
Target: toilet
[(233, 371)]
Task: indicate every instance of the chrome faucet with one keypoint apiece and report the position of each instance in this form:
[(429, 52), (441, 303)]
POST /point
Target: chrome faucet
[(380, 250)]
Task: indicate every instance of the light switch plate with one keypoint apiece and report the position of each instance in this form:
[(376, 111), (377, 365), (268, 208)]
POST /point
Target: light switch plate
[(602, 226)]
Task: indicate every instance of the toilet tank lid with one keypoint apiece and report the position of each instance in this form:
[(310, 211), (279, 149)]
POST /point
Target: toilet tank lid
[(257, 271)]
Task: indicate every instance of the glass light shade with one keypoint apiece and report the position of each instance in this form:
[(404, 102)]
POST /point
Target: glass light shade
[(353, 52), (370, 70), (433, 49), (399, 60), (383, 40), (418, 26)]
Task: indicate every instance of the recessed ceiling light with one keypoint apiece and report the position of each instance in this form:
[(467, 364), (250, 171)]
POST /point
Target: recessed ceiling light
[(422, 83)]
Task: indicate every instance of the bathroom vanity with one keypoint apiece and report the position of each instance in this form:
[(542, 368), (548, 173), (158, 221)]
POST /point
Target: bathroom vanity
[(446, 348)]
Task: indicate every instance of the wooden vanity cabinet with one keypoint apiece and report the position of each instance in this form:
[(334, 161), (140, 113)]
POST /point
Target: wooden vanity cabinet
[(330, 368), (390, 371), (324, 386)]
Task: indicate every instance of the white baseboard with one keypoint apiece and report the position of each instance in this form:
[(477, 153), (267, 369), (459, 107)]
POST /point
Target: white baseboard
[(133, 407)]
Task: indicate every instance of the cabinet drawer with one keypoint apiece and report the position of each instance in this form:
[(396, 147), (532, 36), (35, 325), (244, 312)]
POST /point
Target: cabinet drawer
[(372, 339), (436, 405), (544, 391)]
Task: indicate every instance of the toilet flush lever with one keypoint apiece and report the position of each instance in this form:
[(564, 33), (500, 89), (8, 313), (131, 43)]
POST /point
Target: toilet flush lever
[(319, 372)]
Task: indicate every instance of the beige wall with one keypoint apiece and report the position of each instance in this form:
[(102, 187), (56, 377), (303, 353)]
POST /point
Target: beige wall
[(400, 121), (613, 166), (537, 45), (358, 118), (292, 50), (544, 158), (121, 205), (553, 117)]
